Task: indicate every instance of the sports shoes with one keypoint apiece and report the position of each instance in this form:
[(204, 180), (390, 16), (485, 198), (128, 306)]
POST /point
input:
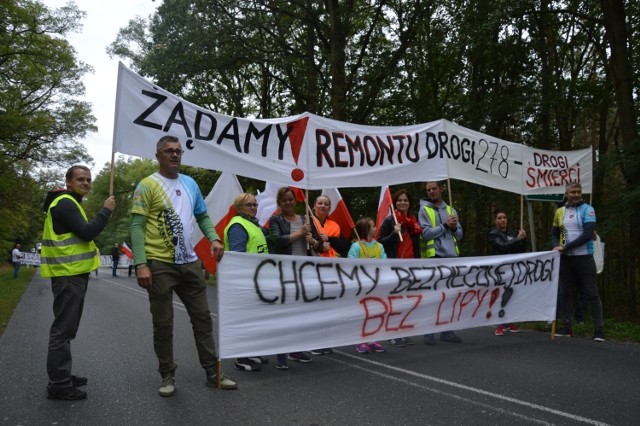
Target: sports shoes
[(77, 381), (281, 362), (168, 386), (376, 347), (513, 328), (246, 364), (300, 357), (563, 332), (322, 351), (450, 336), (598, 336), (408, 341), (259, 359), (362, 348), (499, 330), (429, 339), (66, 394), (225, 383), (399, 342)]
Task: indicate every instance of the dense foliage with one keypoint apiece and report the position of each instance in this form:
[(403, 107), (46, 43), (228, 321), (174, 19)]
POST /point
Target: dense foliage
[(549, 74), (42, 118), (557, 75)]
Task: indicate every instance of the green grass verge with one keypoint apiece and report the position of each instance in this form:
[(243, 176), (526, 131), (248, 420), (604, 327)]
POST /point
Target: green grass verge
[(11, 291)]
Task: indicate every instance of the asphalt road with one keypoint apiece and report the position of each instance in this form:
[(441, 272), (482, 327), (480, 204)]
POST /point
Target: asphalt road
[(518, 379)]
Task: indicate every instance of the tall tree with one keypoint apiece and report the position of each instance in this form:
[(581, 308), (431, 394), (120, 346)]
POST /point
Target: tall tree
[(615, 23), (41, 119)]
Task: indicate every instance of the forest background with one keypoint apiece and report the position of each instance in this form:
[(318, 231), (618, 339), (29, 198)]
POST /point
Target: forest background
[(556, 75)]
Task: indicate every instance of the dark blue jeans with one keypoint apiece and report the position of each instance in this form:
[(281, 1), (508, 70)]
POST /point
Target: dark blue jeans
[(16, 269), (68, 302)]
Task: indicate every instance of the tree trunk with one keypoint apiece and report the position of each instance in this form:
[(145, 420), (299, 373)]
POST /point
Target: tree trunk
[(620, 67)]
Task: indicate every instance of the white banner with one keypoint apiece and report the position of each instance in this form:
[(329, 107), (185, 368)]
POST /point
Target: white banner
[(313, 152), (276, 304), (33, 259)]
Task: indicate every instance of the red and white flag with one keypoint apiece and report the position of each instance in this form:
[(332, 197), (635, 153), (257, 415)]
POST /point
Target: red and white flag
[(126, 250), (384, 208), (221, 210), (267, 204), (339, 212)]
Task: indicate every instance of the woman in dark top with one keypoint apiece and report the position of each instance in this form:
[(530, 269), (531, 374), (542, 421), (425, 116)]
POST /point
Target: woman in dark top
[(292, 235), (389, 237), (407, 226), (504, 241)]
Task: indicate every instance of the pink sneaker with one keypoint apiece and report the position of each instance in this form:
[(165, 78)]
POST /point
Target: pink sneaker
[(376, 347), (499, 330), (362, 348)]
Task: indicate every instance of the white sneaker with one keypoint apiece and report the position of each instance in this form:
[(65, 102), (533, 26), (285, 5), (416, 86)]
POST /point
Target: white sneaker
[(168, 386)]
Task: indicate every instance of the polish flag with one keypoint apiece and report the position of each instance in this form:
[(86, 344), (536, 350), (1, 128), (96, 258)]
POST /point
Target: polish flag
[(221, 210), (384, 208), (267, 204), (126, 250), (339, 212)]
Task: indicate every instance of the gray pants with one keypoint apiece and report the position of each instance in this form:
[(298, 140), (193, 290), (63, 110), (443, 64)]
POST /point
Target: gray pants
[(68, 302), (187, 282)]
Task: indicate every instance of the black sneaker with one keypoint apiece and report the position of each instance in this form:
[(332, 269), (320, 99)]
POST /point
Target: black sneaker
[(259, 359), (429, 339), (598, 336), (450, 336), (300, 357), (281, 362), (399, 342), (77, 381), (246, 364), (563, 332), (66, 394)]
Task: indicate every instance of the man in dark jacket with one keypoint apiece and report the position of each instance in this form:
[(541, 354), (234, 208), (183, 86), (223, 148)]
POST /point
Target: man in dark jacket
[(115, 258), (68, 255)]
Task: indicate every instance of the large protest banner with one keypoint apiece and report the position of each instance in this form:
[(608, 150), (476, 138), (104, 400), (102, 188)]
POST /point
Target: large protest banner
[(276, 304), (314, 152)]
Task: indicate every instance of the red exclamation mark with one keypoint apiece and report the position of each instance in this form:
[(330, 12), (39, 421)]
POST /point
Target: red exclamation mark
[(297, 130)]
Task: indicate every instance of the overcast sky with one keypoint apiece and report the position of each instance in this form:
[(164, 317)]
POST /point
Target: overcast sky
[(100, 27)]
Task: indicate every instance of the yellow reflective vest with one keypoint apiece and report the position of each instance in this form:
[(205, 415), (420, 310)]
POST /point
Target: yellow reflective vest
[(428, 247), (256, 243), (65, 254)]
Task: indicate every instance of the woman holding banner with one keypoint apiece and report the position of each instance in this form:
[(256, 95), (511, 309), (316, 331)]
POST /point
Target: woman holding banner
[(326, 232), (504, 241), (406, 226), (400, 237), (244, 234), (328, 240), (292, 235)]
